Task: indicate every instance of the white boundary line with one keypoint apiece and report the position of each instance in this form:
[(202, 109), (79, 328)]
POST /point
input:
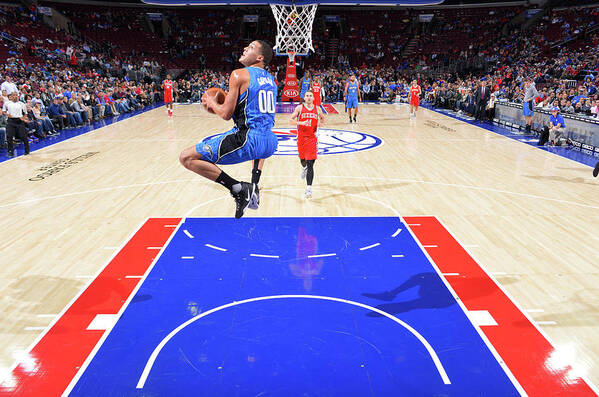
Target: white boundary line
[(264, 256), (453, 185), (158, 349), (321, 255), (63, 311), (396, 232), (490, 275), (370, 246), (490, 346), (91, 356), (215, 247)]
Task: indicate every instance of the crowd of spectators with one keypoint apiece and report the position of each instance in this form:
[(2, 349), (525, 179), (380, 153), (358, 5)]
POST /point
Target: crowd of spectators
[(67, 80)]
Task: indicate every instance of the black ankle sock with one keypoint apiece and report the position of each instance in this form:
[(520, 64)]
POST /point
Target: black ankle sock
[(256, 175), (226, 180)]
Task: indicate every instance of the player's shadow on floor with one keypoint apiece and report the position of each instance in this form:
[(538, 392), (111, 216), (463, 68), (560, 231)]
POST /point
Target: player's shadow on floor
[(432, 294)]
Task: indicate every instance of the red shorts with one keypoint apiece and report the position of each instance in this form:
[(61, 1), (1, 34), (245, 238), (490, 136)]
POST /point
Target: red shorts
[(414, 101), (307, 147), (168, 98)]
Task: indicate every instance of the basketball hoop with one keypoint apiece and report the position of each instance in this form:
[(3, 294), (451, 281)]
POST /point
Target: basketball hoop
[(291, 55), (294, 28)]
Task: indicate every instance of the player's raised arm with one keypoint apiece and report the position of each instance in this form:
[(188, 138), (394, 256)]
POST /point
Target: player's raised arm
[(295, 114), (238, 81)]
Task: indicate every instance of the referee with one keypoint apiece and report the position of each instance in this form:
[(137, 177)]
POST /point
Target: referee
[(15, 126)]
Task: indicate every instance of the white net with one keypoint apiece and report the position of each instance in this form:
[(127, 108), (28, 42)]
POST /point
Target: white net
[(294, 28)]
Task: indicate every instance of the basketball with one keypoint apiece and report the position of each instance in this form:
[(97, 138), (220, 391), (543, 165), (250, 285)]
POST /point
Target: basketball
[(219, 93)]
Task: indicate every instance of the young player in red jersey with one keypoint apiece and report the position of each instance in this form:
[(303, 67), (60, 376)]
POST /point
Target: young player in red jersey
[(307, 117), (414, 98), (317, 91), (168, 94)]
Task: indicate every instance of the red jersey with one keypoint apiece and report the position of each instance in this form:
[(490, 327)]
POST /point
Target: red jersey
[(316, 91), (414, 91), (310, 115), (307, 143), (168, 87)]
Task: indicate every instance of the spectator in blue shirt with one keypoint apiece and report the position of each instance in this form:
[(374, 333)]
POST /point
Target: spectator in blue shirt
[(56, 113), (557, 127)]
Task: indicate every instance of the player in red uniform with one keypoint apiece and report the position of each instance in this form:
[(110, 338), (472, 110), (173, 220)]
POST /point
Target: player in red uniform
[(414, 98), (317, 91), (168, 94), (307, 117)]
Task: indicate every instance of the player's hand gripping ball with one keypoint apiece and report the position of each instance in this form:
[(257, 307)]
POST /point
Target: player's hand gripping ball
[(213, 96)]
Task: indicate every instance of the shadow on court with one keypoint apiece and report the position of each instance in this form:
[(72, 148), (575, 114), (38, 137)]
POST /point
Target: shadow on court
[(430, 294)]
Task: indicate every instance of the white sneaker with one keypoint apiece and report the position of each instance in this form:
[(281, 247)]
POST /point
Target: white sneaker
[(304, 172), (308, 193)]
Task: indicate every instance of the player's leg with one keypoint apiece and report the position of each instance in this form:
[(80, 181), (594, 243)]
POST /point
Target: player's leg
[(202, 159), (309, 177), (257, 165)]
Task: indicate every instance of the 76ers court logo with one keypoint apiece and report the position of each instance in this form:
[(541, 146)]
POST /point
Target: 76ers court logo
[(329, 141)]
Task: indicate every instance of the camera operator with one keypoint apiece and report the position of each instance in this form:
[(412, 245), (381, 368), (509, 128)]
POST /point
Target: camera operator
[(17, 119)]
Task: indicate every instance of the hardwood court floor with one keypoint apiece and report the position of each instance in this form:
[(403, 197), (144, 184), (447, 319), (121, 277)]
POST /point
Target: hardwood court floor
[(529, 217)]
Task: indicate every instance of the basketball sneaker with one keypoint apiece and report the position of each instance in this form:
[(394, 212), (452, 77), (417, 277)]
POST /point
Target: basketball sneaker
[(596, 170), (304, 172), (242, 198), (308, 193), (255, 199)]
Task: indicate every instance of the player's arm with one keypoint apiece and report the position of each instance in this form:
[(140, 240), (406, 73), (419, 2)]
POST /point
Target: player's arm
[(358, 90), (345, 90), (320, 116), (295, 114), (322, 94), (238, 80)]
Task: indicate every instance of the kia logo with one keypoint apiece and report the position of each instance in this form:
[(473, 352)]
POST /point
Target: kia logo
[(291, 92), (291, 76), (291, 82)]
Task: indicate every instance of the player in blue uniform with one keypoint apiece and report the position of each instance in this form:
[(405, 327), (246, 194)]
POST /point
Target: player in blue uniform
[(352, 95), (251, 102), (305, 85)]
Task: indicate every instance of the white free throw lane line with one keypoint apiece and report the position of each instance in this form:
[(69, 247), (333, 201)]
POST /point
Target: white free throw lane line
[(481, 318), (154, 248), (150, 363), (397, 256), (170, 225), (102, 322), (214, 247), (451, 274), (264, 256), (321, 255), (430, 246), (413, 224), (133, 276), (370, 246), (187, 257), (396, 232), (187, 233)]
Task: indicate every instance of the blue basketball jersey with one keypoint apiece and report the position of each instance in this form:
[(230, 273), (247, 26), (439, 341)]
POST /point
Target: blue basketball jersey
[(305, 85), (256, 107), (352, 89)]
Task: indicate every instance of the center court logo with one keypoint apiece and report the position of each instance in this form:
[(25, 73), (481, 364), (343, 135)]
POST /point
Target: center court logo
[(329, 141)]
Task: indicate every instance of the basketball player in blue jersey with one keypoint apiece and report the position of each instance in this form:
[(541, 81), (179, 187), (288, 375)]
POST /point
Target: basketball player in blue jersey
[(352, 95), (305, 85), (251, 102)]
